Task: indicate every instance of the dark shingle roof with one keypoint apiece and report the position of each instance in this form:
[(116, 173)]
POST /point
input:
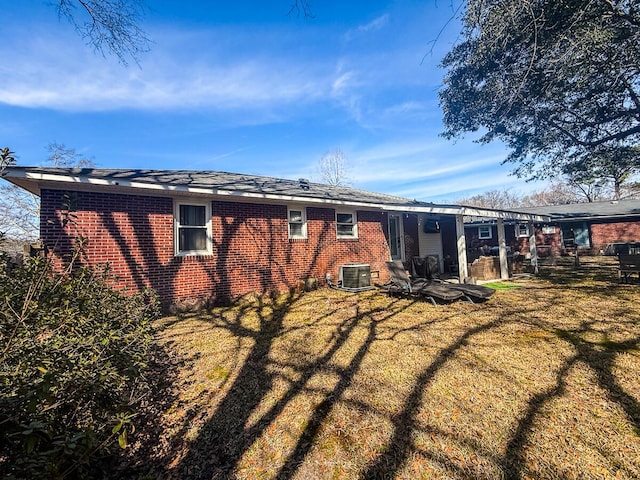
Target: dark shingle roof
[(231, 185), (225, 181), (618, 208)]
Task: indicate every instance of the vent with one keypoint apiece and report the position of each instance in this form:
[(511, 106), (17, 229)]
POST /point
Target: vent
[(304, 184), (355, 277)]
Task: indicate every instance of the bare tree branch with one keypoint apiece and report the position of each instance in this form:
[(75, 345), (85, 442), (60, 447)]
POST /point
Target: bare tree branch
[(110, 26), (302, 7), (333, 169)]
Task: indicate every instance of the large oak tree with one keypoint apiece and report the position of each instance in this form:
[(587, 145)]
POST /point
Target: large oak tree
[(558, 81)]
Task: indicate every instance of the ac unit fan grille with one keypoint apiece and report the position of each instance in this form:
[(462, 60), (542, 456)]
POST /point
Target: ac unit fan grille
[(355, 278)]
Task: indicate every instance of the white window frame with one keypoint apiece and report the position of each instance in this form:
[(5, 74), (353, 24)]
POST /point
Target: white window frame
[(354, 223), (303, 212), (176, 227), (519, 232), (488, 229)]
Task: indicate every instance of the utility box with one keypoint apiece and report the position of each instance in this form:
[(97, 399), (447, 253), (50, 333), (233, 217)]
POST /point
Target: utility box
[(355, 277)]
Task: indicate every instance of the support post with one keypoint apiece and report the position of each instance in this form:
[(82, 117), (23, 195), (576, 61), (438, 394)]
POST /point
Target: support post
[(532, 248), (463, 270), (502, 249)]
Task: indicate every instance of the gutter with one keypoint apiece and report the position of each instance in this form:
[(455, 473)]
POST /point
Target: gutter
[(44, 178)]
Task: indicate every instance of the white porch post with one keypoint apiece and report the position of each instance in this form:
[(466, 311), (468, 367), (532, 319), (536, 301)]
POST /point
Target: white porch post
[(532, 247), (463, 270), (502, 245)]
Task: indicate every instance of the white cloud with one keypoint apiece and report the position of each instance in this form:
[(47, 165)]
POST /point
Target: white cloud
[(59, 74), (432, 169), (373, 25)]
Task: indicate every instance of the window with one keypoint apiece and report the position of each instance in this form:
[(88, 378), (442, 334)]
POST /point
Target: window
[(484, 232), (522, 230), (297, 223), (346, 225), (548, 229), (192, 228)]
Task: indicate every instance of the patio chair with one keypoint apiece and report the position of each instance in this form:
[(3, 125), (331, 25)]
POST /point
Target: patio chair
[(419, 267), (402, 284), (474, 293)]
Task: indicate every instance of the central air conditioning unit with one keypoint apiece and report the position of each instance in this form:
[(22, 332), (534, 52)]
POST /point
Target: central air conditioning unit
[(355, 277)]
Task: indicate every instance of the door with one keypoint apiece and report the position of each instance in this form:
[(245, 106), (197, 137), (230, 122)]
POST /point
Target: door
[(576, 235), (395, 237)]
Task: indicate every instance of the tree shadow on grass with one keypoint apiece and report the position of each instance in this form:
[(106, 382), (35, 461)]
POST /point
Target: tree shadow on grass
[(233, 429), (400, 445), (600, 357), (222, 441), (245, 413)]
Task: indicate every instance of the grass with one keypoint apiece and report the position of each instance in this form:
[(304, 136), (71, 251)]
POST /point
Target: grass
[(502, 285), (538, 382)]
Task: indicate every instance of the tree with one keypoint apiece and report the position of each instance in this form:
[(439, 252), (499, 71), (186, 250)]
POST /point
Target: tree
[(561, 191), (497, 199), (19, 209), (108, 25), (6, 158), (557, 81), (605, 169), (332, 168)]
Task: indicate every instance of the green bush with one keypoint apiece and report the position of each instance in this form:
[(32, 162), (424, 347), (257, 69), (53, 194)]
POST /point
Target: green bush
[(73, 357)]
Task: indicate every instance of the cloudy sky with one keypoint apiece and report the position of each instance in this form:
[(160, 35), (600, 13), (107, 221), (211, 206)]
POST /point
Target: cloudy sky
[(244, 87)]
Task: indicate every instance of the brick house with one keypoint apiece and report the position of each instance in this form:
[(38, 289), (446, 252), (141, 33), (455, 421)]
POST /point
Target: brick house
[(197, 237), (596, 227)]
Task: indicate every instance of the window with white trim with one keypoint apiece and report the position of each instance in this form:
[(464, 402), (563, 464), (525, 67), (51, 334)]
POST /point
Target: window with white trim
[(297, 223), (192, 223), (522, 229), (548, 229), (346, 224), (484, 232)]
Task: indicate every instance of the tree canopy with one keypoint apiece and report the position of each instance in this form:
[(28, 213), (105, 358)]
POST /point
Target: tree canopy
[(558, 81)]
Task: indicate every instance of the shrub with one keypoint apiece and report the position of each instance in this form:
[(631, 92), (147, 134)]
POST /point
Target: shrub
[(73, 356)]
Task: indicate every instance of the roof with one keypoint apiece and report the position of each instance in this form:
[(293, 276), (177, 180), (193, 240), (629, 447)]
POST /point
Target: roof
[(608, 209), (230, 186)]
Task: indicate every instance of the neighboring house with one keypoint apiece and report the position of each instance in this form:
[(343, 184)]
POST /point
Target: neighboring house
[(596, 227), (198, 237)]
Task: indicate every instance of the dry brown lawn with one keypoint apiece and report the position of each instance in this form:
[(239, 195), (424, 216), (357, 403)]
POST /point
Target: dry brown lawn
[(541, 381)]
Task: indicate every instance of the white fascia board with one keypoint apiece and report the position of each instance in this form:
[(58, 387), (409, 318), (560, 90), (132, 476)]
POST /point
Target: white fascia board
[(186, 190), (438, 209), (238, 194), (506, 214)]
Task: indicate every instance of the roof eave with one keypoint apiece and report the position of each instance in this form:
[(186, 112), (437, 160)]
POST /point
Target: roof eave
[(34, 181)]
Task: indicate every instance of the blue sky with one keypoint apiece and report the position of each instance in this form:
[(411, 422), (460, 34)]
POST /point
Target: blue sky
[(244, 87)]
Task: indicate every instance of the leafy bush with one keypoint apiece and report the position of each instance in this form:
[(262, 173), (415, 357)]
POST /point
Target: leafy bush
[(73, 356)]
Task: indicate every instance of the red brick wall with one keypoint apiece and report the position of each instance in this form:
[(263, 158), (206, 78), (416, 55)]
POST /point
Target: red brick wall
[(251, 249), (615, 232)]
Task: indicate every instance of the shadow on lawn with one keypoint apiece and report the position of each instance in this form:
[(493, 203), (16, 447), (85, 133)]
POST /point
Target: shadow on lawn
[(221, 443), (600, 357), (232, 429), (226, 436)]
